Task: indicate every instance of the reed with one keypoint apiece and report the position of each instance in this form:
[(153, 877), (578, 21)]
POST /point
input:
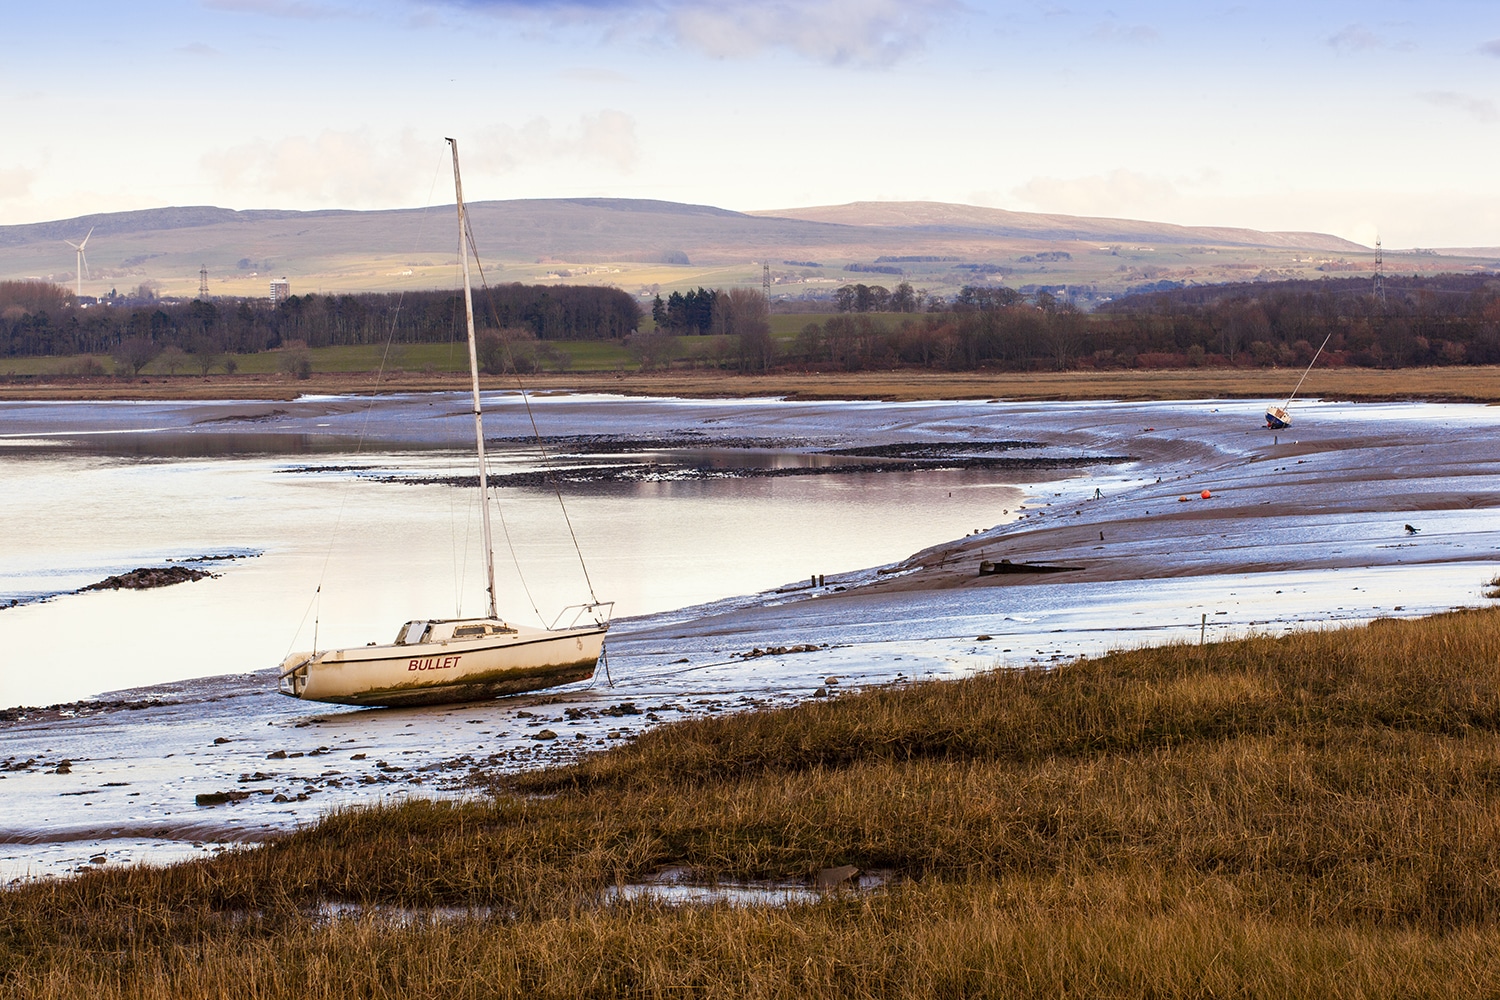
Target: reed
[(1316, 814)]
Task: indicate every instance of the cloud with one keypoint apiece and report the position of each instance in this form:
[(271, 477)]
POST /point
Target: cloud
[(15, 185), (198, 49), (348, 169), (835, 32), (607, 138), (1117, 193), (353, 169), (1114, 31), (1491, 48), (1356, 38), (1480, 108), (304, 10)]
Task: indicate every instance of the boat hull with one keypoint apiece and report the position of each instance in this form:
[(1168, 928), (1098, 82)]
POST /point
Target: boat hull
[(1277, 418), (447, 672)]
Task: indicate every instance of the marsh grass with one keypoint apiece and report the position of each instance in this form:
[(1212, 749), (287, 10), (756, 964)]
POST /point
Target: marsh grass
[(1313, 815), (608, 365)]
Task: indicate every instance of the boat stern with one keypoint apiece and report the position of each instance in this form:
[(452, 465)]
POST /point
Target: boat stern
[(292, 678)]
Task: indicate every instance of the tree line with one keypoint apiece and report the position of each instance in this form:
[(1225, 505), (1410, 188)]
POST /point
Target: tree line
[(737, 321), (38, 318), (1436, 320)]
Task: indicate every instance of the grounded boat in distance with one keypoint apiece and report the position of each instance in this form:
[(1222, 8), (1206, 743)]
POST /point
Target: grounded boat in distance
[(1280, 417), (455, 659)]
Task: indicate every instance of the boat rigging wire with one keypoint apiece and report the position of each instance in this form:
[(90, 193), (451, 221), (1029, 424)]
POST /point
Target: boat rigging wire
[(531, 416), (1309, 371)]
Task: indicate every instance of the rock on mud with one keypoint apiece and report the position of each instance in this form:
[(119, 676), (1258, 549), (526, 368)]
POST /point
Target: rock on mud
[(148, 578)]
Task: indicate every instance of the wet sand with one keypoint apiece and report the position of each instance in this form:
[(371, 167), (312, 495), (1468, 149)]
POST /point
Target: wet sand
[(1342, 488), (1304, 528)]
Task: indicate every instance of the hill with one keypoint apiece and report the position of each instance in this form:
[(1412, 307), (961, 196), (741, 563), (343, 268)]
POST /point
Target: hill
[(646, 246), (999, 223)]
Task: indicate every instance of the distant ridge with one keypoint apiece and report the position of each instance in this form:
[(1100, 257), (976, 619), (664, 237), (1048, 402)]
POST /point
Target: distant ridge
[(601, 215), (648, 245), (1000, 222), (139, 221)]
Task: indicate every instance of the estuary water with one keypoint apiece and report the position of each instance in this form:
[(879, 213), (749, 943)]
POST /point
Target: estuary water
[(300, 495)]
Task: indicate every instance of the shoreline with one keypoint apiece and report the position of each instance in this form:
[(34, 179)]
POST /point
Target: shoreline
[(1472, 384), (1334, 552)]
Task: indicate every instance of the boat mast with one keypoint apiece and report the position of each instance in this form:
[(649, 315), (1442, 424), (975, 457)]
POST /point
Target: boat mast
[(484, 485)]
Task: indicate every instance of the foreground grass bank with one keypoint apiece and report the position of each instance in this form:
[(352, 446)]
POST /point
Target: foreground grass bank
[(1312, 815)]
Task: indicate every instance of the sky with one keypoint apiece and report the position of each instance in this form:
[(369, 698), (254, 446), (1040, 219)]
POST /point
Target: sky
[(1380, 117)]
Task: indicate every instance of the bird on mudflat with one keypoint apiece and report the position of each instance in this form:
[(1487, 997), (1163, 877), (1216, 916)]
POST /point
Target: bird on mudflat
[(1412, 531)]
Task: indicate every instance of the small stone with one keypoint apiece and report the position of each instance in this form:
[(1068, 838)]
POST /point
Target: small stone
[(276, 755), (98, 859), (357, 756), (545, 734), (983, 638), (220, 740), (831, 681), (821, 692), (219, 798)]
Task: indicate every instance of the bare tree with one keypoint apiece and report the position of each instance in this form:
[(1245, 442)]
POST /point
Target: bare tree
[(172, 358), (135, 353)]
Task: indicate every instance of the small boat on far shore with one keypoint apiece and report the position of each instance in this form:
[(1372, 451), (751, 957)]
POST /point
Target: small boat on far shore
[(1280, 417)]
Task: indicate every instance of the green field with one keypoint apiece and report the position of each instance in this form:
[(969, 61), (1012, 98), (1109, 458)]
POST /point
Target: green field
[(580, 355)]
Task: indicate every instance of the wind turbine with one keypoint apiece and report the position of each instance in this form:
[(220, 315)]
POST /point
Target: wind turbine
[(82, 261)]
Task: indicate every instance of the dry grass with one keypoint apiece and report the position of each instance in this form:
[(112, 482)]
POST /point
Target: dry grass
[(1469, 383), (1312, 815)]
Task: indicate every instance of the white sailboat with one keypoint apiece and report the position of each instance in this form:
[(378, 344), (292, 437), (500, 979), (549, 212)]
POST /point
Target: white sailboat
[(455, 659), (1279, 417)]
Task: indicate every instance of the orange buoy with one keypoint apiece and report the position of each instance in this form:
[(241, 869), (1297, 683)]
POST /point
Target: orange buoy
[(1182, 499), (1206, 495)]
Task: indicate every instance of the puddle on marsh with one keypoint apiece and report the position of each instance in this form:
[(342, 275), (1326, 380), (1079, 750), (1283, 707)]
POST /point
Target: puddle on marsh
[(737, 894)]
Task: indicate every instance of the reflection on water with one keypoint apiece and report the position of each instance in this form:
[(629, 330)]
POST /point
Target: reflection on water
[(348, 559)]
